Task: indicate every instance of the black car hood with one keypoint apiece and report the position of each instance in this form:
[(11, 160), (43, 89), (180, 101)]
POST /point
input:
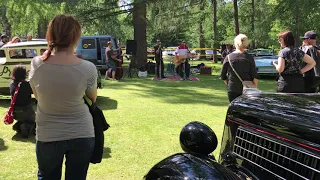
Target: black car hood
[(294, 115)]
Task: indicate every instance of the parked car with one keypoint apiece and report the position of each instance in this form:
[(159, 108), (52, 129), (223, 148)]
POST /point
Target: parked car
[(169, 51), (25, 51), (150, 53), (209, 54), (93, 49), (265, 66), (266, 136), (261, 52)]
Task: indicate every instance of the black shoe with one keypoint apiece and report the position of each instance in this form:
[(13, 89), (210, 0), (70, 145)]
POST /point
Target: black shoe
[(24, 130), (16, 127)]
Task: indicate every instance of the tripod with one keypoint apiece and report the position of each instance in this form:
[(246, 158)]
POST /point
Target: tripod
[(131, 71)]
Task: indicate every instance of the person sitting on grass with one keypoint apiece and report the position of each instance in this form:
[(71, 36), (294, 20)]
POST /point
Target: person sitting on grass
[(23, 111)]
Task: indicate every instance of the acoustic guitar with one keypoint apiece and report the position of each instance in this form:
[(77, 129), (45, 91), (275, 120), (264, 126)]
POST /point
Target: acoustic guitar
[(179, 60)]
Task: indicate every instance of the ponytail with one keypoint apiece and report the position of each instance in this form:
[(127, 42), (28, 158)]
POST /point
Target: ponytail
[(47, 54)]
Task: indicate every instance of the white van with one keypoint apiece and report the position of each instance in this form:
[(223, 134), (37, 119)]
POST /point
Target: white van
[(18, 53), (21, 53)]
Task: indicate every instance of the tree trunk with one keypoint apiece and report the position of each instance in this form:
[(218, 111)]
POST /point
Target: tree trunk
[(4, 21), (235, 15), (215, 42), (42, 28), (297, 17), (201, 37), (140, 33), (252, 26)]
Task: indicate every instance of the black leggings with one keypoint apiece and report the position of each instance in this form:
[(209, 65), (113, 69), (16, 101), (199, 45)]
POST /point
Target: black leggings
[(233, 95)]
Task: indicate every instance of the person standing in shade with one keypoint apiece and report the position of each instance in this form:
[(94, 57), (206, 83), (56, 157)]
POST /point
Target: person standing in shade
[(29, 37), (289, 65), (159, 60), (225, 52), (4, 40), (311, 77)]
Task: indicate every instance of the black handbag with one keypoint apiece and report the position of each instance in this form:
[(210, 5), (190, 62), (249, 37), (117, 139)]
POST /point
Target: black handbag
[(100, 125)]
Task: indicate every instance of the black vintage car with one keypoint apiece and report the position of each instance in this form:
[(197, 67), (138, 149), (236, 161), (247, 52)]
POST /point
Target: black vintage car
[(266, 136)]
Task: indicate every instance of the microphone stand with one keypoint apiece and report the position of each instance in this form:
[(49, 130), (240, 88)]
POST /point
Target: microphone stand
[(160, 59)]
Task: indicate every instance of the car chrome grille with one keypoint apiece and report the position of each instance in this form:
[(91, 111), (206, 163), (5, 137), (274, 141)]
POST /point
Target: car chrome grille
[(282, 161)]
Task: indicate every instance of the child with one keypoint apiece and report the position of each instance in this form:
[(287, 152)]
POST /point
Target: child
[(23, 111)]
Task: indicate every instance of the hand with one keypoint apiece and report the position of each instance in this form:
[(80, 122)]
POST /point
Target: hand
[(275, 63)]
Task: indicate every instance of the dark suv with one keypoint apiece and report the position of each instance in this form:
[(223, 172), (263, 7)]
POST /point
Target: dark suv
[(266, 136)]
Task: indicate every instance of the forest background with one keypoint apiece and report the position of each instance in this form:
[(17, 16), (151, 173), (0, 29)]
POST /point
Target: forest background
[(202, 23)]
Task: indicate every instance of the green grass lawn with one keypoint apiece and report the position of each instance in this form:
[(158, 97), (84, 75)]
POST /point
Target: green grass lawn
[(146, 118)]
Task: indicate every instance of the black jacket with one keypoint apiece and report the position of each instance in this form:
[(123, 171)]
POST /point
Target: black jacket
[(312, 51), (100, 125)]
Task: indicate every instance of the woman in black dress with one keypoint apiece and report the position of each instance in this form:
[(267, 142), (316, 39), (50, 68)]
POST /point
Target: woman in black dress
[(289, 65), (243, 63)]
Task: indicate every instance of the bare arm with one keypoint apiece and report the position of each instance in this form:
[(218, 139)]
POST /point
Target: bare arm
[(34, 92), (225, 82), (280, 65), (255, 82), (310, 64), (92, 94)]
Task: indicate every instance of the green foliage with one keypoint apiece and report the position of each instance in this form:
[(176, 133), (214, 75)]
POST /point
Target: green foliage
[(171, 21)]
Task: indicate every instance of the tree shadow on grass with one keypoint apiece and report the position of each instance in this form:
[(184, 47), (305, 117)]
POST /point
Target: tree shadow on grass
[(17, 137), (3, 147), (106, 153), (209, 90), (105, 103), (5, 101)]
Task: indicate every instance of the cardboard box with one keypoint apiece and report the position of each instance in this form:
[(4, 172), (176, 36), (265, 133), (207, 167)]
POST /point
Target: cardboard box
[(206, 70)]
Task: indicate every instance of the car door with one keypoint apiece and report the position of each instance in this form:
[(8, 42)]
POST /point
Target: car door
[(103, 45), (87, 50)]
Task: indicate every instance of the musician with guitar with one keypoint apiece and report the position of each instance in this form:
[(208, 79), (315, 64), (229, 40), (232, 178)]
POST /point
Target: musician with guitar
[(181, 60), (111, 61), (159, 60)]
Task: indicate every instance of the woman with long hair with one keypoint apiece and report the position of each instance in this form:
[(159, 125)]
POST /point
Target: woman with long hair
[(64, 125), (289, 65)]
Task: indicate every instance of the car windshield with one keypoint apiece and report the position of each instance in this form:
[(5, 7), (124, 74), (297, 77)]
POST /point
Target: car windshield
[(264, 52)]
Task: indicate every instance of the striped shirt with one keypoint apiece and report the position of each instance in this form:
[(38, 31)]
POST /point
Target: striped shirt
[(61, 111)]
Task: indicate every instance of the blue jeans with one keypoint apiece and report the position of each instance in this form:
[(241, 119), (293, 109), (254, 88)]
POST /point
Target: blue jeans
[(50, 157)]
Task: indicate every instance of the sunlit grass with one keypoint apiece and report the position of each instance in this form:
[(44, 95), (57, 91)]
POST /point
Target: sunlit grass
[(146, 118)]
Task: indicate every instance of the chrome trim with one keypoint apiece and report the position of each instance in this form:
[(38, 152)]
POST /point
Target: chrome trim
[(252, 147)]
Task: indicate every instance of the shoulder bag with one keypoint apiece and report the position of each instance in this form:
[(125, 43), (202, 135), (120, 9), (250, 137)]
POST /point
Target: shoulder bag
[(9, 117), (246, 84)]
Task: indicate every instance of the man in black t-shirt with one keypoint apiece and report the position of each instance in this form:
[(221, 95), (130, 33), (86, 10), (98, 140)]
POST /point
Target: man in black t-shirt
[(159, 60), (312, 77)]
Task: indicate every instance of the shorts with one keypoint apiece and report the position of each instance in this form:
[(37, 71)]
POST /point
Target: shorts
[(111, 64)]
